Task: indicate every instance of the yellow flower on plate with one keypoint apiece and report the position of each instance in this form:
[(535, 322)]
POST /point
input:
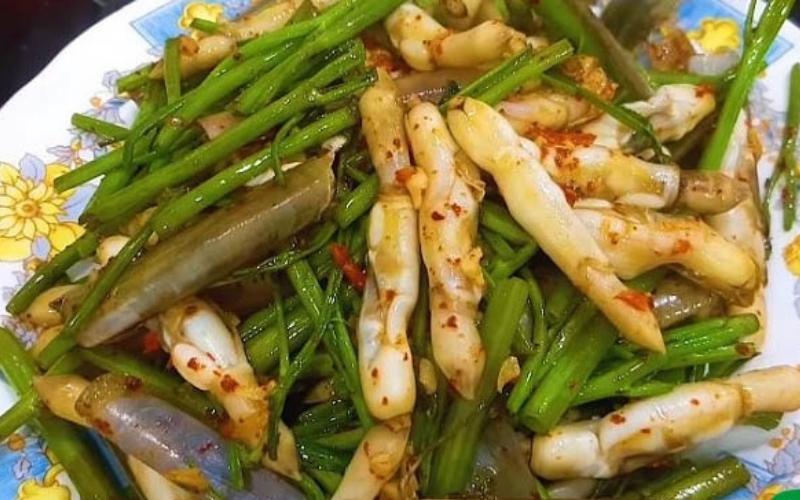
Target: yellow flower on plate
[(48, 489), (200, 10), (769, 492), (717, 35), (30, 209), (791, 255)]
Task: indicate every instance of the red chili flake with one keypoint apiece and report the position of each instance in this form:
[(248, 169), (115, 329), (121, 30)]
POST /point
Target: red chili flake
[(704, 90), (681, 247), (352, 272), (102, 426), (403, 175), (228, 383), (695, 401), (637, 300), (389, 295), (194, 364), (374, 373), (151, 342), (437, 216), (205, 447), (452, 322), (456, 208), (132, 383), (618, 419), (570, 194), (384, 401), (558, 138), (645, 431)]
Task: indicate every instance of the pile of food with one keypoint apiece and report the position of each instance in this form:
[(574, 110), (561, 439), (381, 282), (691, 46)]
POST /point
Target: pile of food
[(376, 248)]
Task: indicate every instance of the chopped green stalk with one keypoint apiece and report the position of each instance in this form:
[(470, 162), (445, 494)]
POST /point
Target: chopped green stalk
[(318, 457), (308, 289), (235, 466), (789, 151), (347, 440), (619, 378), (154, 98), (158, 382), (454, 459), (172, 69), (775, 14), (329, 33), (685, 347), (99, 166), (503, 268), (111, 274), (713, 481), (573, 19), (209, 94), (337, 342), (281, 261), (263, 319), (185, 207), (523, 340), (16, 363), (747, 27), (134, 80), (78, 459), (560, 386), (263, 350), (306, 354), (304, 96), (343, 418), (561, 301), (497, 219), (23, 411), (324, 411), (101, 128), (430, 409), (641, 127), (48, 274), (283, 338), (204, 25), (718, 355), (540, 62), (310, 488), (329, 480), (676, 473), (494, 76), (647, 389), (541, 344), (283, 132), (357, 202), (669, 78), (575, 352)]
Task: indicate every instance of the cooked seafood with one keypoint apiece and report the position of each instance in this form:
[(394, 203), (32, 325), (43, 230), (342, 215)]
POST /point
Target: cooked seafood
[(536, 202), (644, 431), (448, 228), (425, 44), (387, 373), (220, 243)]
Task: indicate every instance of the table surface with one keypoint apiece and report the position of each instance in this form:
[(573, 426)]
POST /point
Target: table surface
[(33, 31)]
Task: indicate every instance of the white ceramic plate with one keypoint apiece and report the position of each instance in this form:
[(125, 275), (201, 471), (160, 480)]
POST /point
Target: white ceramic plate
[(37, 144)]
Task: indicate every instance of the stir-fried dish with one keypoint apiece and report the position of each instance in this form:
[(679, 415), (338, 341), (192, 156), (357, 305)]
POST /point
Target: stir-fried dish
[(395, 249)]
